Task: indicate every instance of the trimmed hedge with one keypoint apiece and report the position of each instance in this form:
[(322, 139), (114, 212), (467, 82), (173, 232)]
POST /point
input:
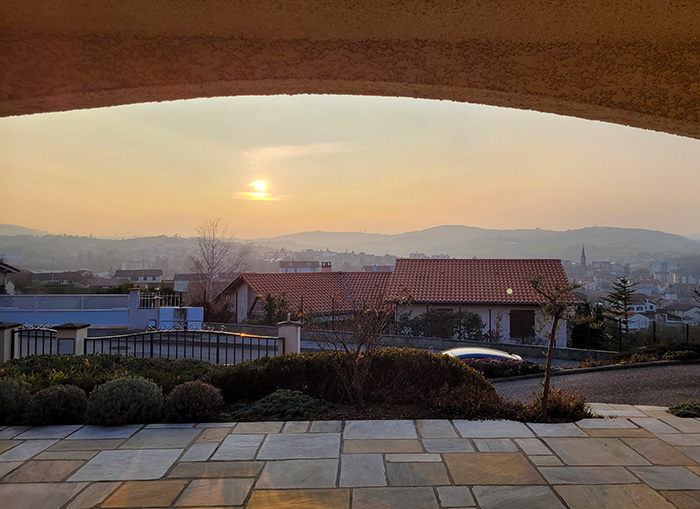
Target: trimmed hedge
[(60, 404), (193, 402), (502, 368), (89, 371), (395, 375), (14, 397), (127, 400)]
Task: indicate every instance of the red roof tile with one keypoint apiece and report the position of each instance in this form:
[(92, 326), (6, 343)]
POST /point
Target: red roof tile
[(318, 289), (473, 281)]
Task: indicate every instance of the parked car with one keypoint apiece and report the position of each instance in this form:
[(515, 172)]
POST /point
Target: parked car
[(467, 353)]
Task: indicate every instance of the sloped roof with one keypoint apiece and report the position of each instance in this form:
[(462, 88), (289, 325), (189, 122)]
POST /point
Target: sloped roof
[(322, 292), (7, 268), (470, 281)]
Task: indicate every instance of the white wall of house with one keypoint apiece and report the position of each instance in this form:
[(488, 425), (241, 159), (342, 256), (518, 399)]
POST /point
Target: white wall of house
[(491, 313)]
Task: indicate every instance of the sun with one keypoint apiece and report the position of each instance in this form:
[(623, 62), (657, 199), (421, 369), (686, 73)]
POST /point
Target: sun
[(259, 186)]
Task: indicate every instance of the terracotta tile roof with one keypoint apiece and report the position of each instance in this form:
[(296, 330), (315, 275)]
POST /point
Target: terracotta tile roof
[(318, 289), (473, 281)]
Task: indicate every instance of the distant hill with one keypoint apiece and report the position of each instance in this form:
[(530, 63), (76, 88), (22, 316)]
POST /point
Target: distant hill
[(13, 229), (467, 241)]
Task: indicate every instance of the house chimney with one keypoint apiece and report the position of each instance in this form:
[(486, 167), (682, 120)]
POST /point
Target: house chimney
[(326, 267)]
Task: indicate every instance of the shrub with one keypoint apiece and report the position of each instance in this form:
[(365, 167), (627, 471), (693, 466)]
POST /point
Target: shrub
[(60, 404), (89, 371), (396, 376), (501, 368), (193, 402), (680, 355), (124, 401), (562, 406), (466, 402), (284, 405), (14, 396), (690, 408)]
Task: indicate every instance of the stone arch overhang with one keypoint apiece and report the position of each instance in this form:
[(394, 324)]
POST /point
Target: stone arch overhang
[(631, 62)]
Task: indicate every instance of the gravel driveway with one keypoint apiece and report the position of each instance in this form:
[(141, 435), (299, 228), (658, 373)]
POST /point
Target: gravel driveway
[(653, 385)]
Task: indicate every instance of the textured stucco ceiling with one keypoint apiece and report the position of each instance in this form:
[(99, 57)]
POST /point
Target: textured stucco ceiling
[(633, 62)]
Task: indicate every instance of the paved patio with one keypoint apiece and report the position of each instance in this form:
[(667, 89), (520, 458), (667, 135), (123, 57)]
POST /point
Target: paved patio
[(642, 458)]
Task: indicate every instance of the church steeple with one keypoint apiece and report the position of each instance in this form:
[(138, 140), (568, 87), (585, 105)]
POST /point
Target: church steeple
[(583, 255)]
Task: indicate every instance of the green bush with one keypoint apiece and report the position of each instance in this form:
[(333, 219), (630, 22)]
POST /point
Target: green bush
[(193, 402), (680, 355), (396, 376), (125, 400), (502, 368), (690, 408), (284, 405), (14, 397), (466, 402), (562, 406), (89, 371), (60, 404)]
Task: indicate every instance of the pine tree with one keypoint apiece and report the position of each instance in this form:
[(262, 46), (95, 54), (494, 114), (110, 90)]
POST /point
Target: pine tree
[(619, 300)]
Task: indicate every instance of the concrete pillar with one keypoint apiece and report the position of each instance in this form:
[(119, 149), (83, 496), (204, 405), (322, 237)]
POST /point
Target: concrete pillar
[(6, 330), (134, 301), (291, 333), (71, 338)]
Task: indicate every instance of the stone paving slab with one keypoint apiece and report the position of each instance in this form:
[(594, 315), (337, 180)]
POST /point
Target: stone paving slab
[(93, 495), (26, 450), (6, 445), (587, 475), (545, 461), (594, 451), (683, 499), (692, 452), (126, 465), (298, 474), (618, 433), (522, 497), (91, 432), (40, 495), (436, 428), (638, 496), (8, 466), (66, 455), (668, 478), (296, 427), (678, 439), (300, 446), (683, 425), (455, 496), (381, 446), (215, 492), (217, 469), (257, 428), (48, 432), (12, 431), (605, 424), (326, 427), (161, 439), (145, 494), (532, 446), (358, 430), (441, 445), (300, 499), (417, 474), (495, 445), (200, 452), (394, 498), (491, 468), (362, 470), (658, 452), (213, 435), (492, 429), (238, 447), (418, 457), (566, 429), (85, 445), (654, 425), (43, 471)]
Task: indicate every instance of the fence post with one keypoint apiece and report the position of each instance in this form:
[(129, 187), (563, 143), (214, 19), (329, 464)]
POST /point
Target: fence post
[(6, 338), (134, 302), (72, 336), (291, 333)]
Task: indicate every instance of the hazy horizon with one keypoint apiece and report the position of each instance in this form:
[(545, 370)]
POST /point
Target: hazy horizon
[(339, 163)]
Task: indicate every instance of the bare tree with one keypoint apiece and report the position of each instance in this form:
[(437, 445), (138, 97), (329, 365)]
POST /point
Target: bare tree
[(353, 343), (555, 304), (216, 258)]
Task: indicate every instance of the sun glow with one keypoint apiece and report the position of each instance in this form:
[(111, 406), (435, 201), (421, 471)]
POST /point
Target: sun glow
[(259, 185)]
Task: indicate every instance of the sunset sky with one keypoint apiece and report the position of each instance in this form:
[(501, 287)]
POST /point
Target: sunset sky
[(336, 163)]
